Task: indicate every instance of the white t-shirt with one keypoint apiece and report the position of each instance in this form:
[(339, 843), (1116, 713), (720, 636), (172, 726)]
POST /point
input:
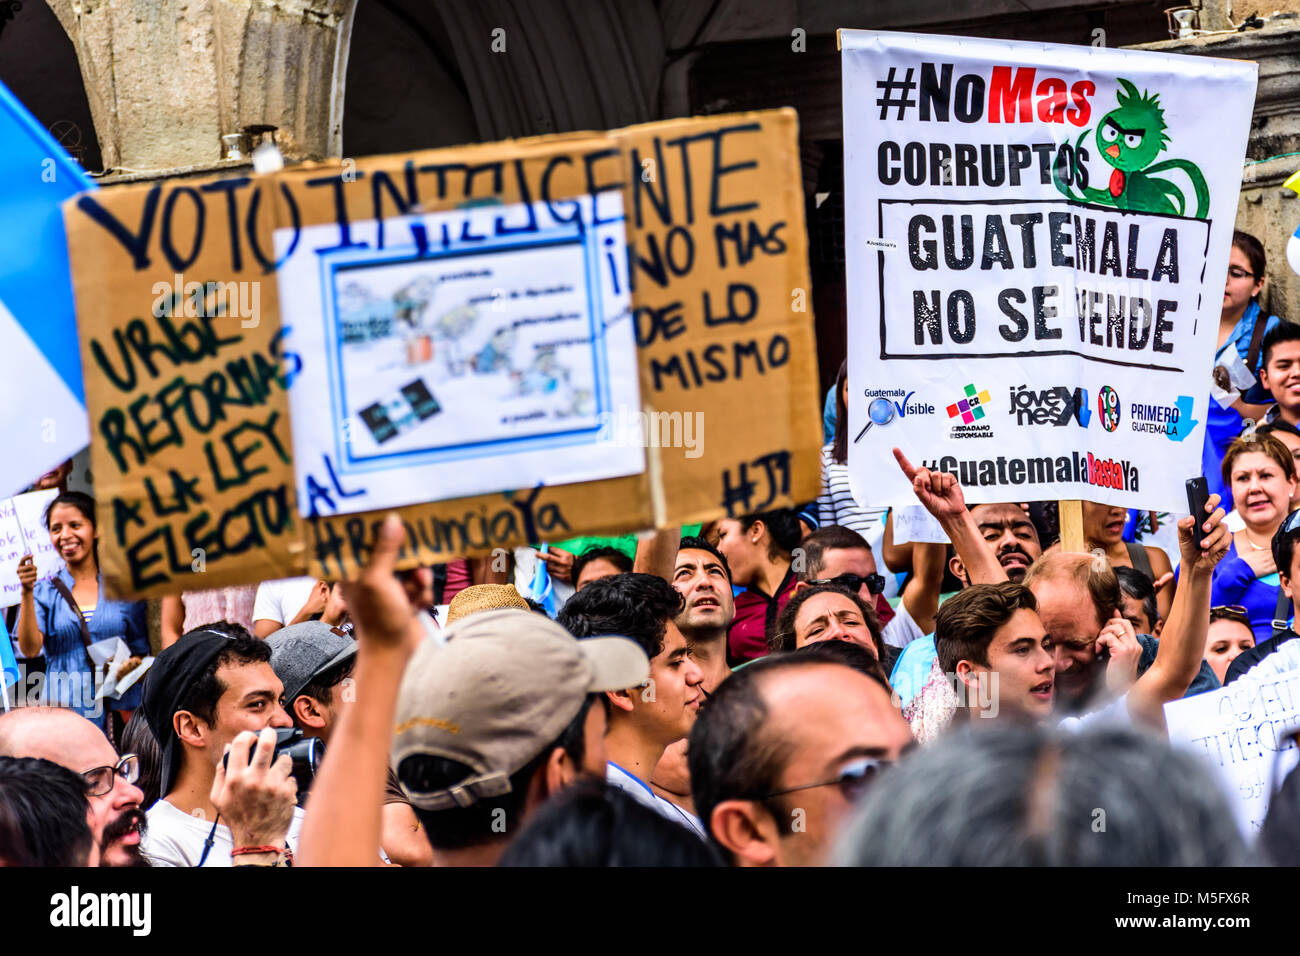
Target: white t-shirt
[(901, 629), (1114, 714), (281, 600), (174, 838), (634, 787)]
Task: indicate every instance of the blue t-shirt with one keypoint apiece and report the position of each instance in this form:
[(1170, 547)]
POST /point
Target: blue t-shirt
[(1234, 582), (1224, 424), (68, 678)]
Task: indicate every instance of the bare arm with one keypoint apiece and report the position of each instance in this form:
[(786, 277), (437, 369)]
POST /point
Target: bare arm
[(403, 838), (1182, 642), (172, 619), (1160, 567), (940, 494), (897, 557), (30, 638), (344, 821), (921, 596), (657, 554)]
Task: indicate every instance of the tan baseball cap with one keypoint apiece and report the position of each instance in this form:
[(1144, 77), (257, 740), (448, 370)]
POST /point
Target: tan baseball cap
[(493, 689)]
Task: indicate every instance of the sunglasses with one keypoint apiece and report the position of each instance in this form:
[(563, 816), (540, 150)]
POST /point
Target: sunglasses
[(1230, 612), (875, 582), (1291, 524), (99, 781), (853, 780)]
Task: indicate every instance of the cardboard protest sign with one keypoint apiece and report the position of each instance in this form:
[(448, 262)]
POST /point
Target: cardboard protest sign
[(193, 459), (185, 384), (22, 531), (722, 299), (1036, 240), (1240, 731)]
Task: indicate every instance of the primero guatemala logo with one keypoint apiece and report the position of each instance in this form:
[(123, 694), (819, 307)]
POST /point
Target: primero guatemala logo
[(970, 409)]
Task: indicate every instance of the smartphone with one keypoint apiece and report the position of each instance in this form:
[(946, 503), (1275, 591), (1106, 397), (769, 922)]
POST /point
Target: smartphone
[(1198, 495)]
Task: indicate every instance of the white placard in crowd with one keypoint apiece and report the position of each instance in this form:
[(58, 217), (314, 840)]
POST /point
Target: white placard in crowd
[(22, 531), (1036, 239), (489, 354), (1240, 730)]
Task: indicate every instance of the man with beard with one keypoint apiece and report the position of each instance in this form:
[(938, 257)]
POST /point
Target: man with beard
[(70, 740)]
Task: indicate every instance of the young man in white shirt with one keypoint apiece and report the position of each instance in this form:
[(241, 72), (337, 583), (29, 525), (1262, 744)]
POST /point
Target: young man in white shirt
[(643, 721), (201, 696)]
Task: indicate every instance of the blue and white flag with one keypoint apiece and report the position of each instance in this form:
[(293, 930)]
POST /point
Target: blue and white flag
[(42, 400)]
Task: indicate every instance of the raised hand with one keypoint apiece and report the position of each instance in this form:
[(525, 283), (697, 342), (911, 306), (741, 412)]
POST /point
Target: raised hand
[(939, 492)]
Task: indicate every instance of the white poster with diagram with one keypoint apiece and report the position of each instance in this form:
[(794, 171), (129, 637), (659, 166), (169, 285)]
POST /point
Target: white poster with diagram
[(480, 356)]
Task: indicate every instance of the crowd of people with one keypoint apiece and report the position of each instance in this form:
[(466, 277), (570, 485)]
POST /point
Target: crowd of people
[(743, 693)]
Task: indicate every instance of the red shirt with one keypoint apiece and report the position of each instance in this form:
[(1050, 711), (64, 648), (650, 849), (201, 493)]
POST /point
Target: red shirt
[(755, 613)]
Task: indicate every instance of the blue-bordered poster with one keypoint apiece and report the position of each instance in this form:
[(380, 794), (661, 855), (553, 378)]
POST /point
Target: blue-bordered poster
[(477, 358)]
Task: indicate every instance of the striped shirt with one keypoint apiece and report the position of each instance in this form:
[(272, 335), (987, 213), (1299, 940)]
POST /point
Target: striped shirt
[(837, 505)]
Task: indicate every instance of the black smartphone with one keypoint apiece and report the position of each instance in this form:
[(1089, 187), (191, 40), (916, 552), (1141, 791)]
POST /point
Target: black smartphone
[(1198, 495)]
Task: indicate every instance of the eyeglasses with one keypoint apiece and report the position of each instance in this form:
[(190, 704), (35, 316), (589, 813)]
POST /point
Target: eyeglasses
[(853, 780), (1239, 273), (875, 582), (99, 781)]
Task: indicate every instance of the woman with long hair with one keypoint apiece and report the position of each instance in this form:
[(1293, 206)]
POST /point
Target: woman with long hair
[(1236, 394), (59, 618), (758, 550), (1262, 475)]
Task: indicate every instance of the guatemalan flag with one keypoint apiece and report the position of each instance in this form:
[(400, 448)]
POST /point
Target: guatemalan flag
[(42, 400)]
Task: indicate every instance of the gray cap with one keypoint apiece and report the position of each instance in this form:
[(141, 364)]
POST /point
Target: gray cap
[(302, 652), (494, 689)]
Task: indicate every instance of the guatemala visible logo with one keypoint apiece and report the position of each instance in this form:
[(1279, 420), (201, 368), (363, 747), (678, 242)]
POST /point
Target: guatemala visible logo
[(970, 408), (1129, 138), (1108, 408), (1175, 422)]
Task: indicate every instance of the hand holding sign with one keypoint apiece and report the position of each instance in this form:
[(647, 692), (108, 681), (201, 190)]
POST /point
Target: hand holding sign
[(27, 572)]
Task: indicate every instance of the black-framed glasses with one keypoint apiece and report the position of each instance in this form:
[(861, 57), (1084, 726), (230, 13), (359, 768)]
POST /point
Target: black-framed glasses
[(99, 780), (1291, 524), (1237, 272), (853, 780), (875, 582)]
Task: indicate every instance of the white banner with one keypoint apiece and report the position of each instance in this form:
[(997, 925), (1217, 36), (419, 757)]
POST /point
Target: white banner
[(22, 531), (1036, 242), (1241, 730)]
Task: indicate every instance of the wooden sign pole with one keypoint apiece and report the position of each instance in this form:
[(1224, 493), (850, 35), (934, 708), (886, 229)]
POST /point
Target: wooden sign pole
[(1070, 513)]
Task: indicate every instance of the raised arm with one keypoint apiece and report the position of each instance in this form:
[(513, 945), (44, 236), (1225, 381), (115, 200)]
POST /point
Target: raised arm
[(30, 638), (343, 825), (921, 596), (657, 553), (1182, 642), (940, 494)]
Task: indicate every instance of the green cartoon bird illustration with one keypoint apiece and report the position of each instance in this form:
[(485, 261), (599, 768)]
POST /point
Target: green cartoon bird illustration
[(1129, 138)]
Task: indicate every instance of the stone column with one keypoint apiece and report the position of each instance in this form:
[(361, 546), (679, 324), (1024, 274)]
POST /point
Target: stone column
[(166, 79), (1265, 209)]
